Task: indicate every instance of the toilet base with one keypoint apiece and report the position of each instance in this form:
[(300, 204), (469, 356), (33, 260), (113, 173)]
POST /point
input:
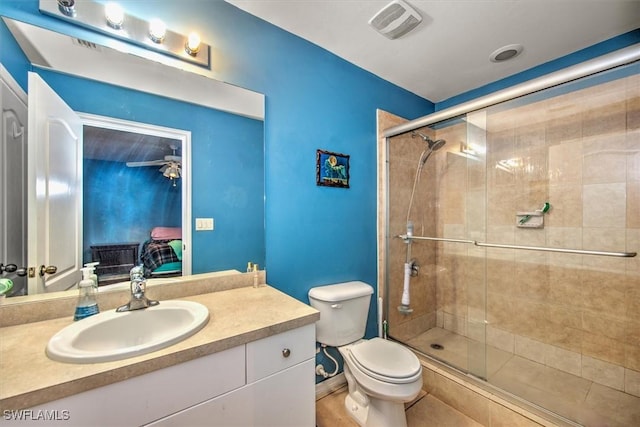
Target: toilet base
[(378, 413)]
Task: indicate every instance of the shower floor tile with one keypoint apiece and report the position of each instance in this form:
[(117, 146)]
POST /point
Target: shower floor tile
[(550, 388), (568, 395), (621, 408), (531, 377), (457, 350)]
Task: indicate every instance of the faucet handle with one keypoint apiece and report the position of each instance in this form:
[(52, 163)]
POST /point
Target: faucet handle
[(138, 288), (137, 273)]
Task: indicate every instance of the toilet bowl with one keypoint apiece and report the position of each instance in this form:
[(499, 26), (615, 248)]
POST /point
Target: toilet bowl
[(382, 375)]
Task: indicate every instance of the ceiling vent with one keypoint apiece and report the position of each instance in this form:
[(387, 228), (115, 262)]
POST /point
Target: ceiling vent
[(86, 43), (395, 20)]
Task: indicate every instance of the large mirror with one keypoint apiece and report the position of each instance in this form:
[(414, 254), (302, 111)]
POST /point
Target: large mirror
[(226, 149)]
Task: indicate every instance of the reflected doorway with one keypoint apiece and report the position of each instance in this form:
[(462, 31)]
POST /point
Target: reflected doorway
[(135, 198)]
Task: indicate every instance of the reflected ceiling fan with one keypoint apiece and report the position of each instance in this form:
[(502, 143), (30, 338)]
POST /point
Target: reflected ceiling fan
[(171, 165)]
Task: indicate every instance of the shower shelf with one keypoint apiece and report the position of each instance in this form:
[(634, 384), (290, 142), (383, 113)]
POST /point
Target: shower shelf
[(530, 219), (526, 248)]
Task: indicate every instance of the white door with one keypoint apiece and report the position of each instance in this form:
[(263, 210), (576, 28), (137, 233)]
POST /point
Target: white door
[(13, 180), (55, 190)]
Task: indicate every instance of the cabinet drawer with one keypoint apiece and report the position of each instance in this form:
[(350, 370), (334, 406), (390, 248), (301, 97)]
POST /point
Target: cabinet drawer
[(147, 397), (278, 352)]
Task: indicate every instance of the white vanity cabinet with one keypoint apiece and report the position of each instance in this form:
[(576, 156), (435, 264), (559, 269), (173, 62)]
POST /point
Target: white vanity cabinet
[(268, 382)]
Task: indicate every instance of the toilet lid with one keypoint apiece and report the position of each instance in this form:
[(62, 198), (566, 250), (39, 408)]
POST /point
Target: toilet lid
[(386, 360)]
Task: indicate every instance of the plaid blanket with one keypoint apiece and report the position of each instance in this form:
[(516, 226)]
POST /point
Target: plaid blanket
[(157, 252)]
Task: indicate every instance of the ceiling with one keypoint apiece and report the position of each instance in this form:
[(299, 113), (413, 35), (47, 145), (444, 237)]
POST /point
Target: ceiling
[(120, 146), (448, 53)]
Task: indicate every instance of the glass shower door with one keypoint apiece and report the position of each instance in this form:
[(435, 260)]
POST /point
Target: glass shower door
[(445, 204)]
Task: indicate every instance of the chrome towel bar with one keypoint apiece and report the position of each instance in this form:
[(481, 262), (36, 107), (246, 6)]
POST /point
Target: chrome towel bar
[(520, 247)]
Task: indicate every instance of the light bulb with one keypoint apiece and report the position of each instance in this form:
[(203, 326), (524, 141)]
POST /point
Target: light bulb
[(114, 15), (67, 7), (193, 44), (157, 30)]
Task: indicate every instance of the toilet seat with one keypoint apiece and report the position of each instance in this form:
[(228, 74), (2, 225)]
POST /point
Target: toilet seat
[(386, 361)]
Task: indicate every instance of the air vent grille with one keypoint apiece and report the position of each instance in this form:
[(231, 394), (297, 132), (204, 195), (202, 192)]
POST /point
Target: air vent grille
[(391, 13), (395, 20), (87, 44)]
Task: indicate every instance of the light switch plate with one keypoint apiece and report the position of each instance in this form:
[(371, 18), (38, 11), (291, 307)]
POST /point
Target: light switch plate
[(204, 224)]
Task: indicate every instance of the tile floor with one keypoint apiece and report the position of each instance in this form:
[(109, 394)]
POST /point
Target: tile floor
[(573, 397), (426, 411)]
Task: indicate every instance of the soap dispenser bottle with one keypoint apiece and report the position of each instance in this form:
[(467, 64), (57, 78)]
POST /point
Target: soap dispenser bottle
[(87, 304)]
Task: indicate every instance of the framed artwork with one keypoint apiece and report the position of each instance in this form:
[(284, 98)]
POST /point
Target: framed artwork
[(332, 169)]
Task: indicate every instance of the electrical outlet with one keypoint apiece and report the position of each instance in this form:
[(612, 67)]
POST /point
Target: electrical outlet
[(204, 224)]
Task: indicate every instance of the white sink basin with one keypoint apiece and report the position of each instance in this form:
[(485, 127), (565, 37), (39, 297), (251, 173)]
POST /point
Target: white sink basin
[(112, 336)]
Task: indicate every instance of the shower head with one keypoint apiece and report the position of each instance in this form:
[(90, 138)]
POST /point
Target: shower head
[(437, 144), (433, 145)]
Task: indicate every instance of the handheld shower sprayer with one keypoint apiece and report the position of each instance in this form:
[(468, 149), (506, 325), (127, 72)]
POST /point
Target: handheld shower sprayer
[(405, 304), (431, 145), (426, 153)]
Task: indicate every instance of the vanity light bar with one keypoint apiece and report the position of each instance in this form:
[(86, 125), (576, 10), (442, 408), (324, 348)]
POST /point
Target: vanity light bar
[(113, 21)]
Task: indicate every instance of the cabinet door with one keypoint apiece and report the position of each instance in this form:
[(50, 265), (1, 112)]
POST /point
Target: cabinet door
[(280, 400)]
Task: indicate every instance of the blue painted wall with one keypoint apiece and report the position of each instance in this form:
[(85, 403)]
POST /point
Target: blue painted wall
[(123, 204), (12, 57)]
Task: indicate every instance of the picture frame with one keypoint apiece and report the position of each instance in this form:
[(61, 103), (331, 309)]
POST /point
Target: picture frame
[(332, 169)]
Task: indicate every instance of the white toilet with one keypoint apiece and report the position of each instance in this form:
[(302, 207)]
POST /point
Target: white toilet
[(382, 375)]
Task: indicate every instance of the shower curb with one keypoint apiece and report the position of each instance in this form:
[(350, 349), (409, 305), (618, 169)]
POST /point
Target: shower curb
[(488, 393)]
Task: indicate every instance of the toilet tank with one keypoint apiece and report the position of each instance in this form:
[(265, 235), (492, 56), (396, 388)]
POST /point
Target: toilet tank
[(343, 308)]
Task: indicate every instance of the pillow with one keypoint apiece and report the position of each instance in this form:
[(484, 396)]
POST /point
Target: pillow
[(166, 233), (176, 245)]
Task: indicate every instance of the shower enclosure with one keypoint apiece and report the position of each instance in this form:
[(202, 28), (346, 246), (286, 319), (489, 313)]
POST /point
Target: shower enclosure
[(523, 231)]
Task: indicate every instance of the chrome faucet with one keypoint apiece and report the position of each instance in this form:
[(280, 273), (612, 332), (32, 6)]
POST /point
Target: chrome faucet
[(138, 286)]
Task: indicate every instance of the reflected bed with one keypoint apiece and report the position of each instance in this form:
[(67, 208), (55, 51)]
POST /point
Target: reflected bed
[(161, 254)]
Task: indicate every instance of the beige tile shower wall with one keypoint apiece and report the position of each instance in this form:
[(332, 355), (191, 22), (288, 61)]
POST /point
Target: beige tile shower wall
[(404, 155), (580, 152)]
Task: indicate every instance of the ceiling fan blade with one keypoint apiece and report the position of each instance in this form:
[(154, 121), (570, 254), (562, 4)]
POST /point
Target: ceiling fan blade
[(147, 163)]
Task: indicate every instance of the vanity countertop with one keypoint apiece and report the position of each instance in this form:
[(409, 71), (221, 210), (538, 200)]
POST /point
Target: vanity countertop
[(237, 316)]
